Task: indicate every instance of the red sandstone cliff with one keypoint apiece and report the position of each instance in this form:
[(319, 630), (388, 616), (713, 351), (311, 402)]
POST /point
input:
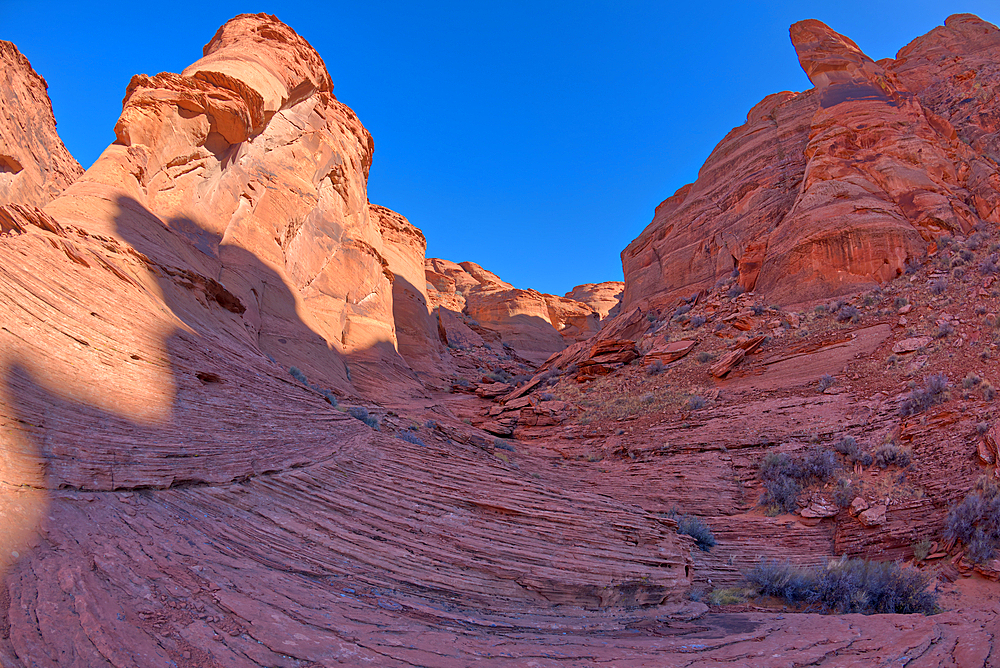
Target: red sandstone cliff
[(837, 188), (34, 164)]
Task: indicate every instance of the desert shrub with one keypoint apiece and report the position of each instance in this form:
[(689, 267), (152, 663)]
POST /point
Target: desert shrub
[(943, 330), (546, 396), (695, 402), (784, 476), (361, 413), (966, 255), (920, 399), (844, 493), (681, 311), (976, 521), (826, 381), (847, 313), (430, 424), (758, 309), (971, 380), (704, 356), (989, 265), (976, 241), (890, 453), (329, 396), (689, 525), (939, 286), (921, 550), (411, 438), (900, 302), (500, 444), (849, 447), (462, 382), (958, 273), (697, 321), (852, 585), (727, 596), (499, 376), (297, 374), (988, 391), (911, 267), (656, 368), (520, 378), (735, 291), (820, 309)]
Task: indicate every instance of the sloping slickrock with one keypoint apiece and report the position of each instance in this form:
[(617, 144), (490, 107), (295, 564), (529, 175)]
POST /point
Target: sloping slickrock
[(34, 164), (835, 189)]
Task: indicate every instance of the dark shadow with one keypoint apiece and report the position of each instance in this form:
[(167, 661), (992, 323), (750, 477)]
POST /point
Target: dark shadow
[(235, 411)]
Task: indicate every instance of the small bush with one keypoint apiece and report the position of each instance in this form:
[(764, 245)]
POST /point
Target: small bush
[(976, 521), (784, 476), (681, 311), (697, 529), (988, 391), (361, 413), (939, 286), (919, 400), (758, 309), (297, 374), (411, 438), (727, 596), (329, 396), (499, 376), (989, 265), (500, 444), (971, 380), (695, 402), (704, 356), (943, 330), (847, 313), (826, 381), (890, 453), (697, 321), (853, 585), (921, 550), (430, 424), (735, 291), (656, 368), (844, 493), (900, 302)]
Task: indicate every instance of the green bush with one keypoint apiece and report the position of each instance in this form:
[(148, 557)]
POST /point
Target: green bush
[(689, 525)]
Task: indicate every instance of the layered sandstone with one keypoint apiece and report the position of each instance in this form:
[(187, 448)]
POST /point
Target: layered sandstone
[(837, 188), (605, 298), (34, 164), (532, 323)]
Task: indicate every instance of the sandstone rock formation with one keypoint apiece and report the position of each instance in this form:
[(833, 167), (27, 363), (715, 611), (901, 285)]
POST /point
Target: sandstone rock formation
[(605, 298), (837, 188), (534, 324), (34, 164)]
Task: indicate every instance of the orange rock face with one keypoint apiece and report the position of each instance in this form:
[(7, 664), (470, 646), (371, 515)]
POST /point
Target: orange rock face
[(34, 165), (534, 324), (605, 298), (835, 189)]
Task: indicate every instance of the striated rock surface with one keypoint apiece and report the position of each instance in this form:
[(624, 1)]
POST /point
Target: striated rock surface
[(837, 188), (534, 324), (34, 164)]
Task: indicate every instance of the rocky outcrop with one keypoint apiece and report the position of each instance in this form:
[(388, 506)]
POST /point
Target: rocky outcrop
[(837, 188), (34, 164), (534, 324), (404, 248), (605, 298)]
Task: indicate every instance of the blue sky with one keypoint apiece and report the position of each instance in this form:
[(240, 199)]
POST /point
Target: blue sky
[(534, 138)]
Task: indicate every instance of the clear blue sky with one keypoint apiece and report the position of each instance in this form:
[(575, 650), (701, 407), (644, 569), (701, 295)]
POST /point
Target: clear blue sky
[(534, 138)]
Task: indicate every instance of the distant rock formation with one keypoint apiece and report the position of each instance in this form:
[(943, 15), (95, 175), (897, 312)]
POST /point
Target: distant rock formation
[(534, 324), (835, 189), (605, 298), (34, 164)]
